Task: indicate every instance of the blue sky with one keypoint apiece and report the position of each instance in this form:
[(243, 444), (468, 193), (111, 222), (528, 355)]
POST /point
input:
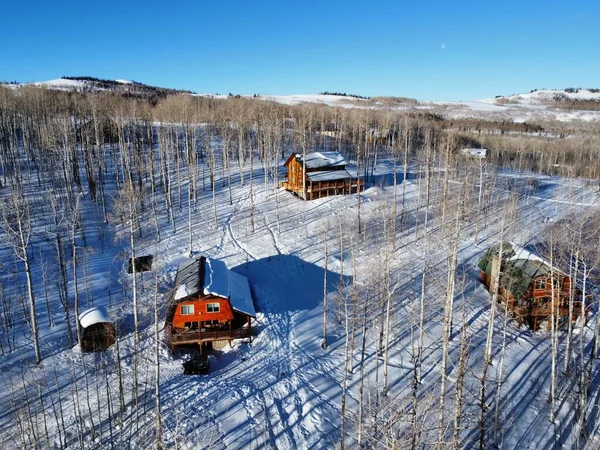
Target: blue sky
[(431, 50)]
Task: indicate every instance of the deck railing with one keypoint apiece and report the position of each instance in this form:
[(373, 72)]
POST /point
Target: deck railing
[(197, 336)]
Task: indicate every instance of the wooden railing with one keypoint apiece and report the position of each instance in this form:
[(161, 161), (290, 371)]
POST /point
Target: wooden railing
[(194, 336)]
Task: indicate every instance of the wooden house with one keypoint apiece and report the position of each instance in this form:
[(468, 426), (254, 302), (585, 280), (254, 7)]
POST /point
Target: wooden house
[(318, 175), (529, 286), (210, 304), (97, 331)]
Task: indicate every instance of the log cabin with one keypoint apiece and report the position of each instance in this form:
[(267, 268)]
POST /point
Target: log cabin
[(530, 287), (319, 175), (211, 305)]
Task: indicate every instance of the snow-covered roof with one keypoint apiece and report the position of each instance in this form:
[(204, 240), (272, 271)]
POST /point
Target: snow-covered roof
[(323, 159), (92, 316), (523, 253), (474, 152), (217, 280), (522, 267), (241, 299), (329, 175), (187, 281)]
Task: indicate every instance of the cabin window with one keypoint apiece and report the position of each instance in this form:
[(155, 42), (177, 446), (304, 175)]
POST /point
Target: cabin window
[(211, 323), (213, 307), (187, 309), (540, 284), (556, 283)]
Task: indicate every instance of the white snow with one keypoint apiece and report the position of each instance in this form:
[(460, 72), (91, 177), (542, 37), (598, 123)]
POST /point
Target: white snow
[(92, 316), (182, 292), (522, 253), (241, 299), (329, 175), (124, 81), (324, 159), (283, 390), (477, 153), (216, 278), (61, 83)]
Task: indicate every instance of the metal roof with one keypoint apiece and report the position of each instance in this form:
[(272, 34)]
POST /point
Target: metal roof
[(317, 160), (519, 267), (329, 175)]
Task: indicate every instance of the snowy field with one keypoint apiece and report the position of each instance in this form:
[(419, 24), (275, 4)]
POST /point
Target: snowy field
[(283, 390)]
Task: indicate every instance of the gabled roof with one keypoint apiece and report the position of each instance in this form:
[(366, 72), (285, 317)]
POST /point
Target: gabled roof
[(207, 276), (187, 281), (519, 267), (317, 160)]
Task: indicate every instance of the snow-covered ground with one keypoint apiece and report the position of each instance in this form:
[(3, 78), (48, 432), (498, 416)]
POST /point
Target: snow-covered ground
[(283, 390)]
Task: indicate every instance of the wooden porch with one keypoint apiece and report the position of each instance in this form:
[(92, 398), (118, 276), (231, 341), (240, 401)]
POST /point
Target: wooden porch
[(175, 337)]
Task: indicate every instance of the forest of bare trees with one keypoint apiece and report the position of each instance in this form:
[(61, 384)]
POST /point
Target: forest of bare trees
[(126, 171)]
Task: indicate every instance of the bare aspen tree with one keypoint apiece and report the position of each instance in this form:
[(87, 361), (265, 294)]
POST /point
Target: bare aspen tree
[(404, 169), (362, 373), (74, 224), (447, 322), (16, 222), (158, 423), (487, 353), (324, 341), (58, 218), (554, 344), (462, 370)]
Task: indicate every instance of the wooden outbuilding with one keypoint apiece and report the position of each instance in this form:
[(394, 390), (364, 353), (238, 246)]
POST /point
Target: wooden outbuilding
[(318, 175), (97, 331), (530, 287), (210, 304)]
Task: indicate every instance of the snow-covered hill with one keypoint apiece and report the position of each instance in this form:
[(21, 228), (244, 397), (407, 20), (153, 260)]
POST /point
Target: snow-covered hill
[(532, 107), (543, 96)]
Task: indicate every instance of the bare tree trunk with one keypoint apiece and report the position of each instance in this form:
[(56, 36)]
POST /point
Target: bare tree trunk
[(462, 369), (158, 422), (324, 341)]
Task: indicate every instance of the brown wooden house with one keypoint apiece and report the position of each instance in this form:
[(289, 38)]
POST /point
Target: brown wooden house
[(526, 284), (318, 175), (210, 304)]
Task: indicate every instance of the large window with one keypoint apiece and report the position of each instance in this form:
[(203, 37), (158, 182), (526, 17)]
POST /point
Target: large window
[(187, 309), (540, 284), (213, 307)]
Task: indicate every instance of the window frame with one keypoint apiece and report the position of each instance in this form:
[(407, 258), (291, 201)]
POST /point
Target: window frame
[(210, 307), (187, 313)]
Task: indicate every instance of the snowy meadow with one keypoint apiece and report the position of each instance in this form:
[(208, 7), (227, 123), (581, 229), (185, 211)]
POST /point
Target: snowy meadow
[(373, 327)]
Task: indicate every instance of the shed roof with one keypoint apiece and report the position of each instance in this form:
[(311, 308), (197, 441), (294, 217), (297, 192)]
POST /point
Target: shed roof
[(329, 175), (93, 316)]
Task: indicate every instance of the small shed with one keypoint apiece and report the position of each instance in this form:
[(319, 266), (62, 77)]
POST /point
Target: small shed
[(98, 333)]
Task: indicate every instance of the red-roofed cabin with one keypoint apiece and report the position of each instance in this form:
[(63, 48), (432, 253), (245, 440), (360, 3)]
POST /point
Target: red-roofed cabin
[(321, 174), (210, 304)]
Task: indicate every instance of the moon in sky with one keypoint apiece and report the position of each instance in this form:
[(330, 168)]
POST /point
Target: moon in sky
[(443, 46)]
